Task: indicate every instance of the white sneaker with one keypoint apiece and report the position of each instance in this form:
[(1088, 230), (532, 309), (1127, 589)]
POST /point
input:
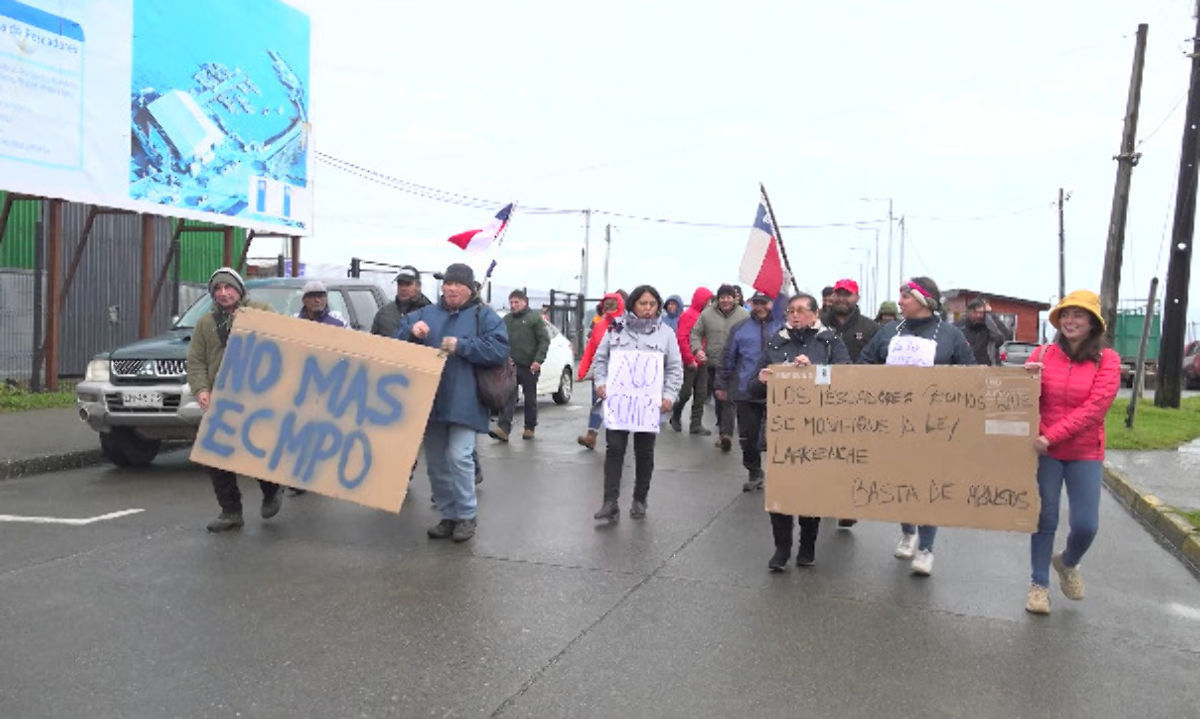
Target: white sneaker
[(1070, 579), (922, 563), (906, 547)]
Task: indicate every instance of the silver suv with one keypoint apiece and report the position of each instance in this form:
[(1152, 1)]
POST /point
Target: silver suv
[(136, 396)]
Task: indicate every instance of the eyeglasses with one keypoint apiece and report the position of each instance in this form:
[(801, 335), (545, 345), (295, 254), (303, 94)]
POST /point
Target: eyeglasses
[(797, 310)]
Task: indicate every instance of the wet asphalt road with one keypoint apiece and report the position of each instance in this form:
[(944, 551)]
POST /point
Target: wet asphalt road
[(334, 610)]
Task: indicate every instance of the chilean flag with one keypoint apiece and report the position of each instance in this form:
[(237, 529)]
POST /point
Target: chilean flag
[(761, 266), (476, 240)]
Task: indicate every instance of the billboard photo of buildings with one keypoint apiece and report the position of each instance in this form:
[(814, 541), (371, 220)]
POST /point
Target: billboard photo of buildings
[(219, 109)]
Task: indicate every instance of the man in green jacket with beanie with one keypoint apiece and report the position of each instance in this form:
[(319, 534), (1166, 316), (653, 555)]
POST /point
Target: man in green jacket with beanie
[(528, 342), (205, 353)]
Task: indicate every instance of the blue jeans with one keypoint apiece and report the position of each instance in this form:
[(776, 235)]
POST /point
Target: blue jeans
[(927, 533), (449, 450), (1083, 478), (596, 415)]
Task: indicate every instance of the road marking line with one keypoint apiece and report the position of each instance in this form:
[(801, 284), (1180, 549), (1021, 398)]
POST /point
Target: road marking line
[(65, 520), (1184, 610)]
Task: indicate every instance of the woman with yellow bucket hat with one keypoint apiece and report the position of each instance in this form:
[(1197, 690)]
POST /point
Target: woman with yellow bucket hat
[(1080, 377)]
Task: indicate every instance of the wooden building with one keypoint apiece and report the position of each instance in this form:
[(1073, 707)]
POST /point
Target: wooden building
[(1023, 316)]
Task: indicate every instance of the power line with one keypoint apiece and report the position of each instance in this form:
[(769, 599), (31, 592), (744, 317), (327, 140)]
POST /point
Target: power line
[(463, 200)]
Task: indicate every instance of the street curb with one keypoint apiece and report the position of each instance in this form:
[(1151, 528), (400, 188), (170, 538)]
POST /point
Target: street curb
[(27, 466), (1167, 526)]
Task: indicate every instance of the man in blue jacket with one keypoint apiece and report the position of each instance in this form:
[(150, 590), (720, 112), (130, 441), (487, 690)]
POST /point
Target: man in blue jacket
[(747, 340), (472, 335)]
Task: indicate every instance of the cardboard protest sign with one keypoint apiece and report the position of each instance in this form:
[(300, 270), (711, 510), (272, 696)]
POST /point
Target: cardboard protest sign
[(634, 391), (331, 410), (948, 446)]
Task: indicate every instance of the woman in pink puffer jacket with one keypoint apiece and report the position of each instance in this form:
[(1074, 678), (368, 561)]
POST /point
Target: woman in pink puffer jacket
[(1080, 377)]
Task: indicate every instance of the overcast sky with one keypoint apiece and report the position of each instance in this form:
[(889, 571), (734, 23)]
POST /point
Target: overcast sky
[(969, 116)]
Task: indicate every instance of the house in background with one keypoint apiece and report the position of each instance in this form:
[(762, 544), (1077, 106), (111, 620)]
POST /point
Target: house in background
[(1022, 316)]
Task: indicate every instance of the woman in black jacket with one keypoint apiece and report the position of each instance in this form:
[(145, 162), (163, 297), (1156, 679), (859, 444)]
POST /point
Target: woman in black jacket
[(803, 341)]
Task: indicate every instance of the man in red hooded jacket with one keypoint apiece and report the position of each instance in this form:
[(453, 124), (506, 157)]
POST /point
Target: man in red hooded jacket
[(695, 376)]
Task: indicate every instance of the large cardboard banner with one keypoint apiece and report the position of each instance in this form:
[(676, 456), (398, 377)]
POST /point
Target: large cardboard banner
[(948, 446), (323, 408), (196, 109), (634, 391)]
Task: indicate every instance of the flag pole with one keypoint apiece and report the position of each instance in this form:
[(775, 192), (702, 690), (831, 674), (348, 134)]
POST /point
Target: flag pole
[(779, 238), (500, 241)]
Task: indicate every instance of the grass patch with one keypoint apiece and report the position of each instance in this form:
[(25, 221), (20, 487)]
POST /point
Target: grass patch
[(1153, 427), (16, 399), (1192, 516)]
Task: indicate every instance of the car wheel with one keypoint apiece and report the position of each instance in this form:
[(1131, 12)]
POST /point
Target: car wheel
[(125, 449), (565, 385)]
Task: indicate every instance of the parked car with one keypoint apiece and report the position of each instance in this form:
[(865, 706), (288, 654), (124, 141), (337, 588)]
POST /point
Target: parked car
[(136, 396), (1191, 366), (1015, 353)]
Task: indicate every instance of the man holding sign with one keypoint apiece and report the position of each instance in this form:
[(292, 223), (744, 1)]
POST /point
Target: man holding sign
[(205, 353), (637, 371)]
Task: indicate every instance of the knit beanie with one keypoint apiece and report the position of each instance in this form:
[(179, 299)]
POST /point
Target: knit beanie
[(229, 276)]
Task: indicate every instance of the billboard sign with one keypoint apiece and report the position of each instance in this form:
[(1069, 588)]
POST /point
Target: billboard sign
[(194, 109)]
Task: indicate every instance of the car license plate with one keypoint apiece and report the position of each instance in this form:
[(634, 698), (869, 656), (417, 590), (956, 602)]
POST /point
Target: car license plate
[(142, 400)]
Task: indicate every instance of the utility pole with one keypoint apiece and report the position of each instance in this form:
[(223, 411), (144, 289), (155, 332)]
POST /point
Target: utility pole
[(889, 272), (1175, 299), (1062, 250), (902, 233), (607, 254), (1110, 279), (583, 272)]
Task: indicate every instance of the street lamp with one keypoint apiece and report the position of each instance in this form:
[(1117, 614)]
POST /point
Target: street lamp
[(887, 280), (875, 269), (862, 275)]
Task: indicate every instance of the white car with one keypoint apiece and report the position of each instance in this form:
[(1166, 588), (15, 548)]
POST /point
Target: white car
[(557, 377)]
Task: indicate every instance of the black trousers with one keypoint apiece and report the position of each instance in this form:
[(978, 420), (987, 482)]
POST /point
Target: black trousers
[(614, 457), (527, 381), (695, 387), (781, 528), (725, 407), (228, 496), (750, 418)]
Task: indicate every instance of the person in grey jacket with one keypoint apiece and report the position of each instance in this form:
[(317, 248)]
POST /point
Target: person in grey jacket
[(641, 329), (409, 298), (709, 335)]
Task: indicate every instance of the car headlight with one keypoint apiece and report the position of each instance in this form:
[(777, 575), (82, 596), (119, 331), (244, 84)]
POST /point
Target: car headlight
[(97, 371)]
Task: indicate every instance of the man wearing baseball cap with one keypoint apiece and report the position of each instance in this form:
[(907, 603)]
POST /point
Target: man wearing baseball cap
[(848, 323), (845, 319), (408, 298)]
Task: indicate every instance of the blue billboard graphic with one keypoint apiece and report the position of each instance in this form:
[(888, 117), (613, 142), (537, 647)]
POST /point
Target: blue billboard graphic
[(219, 109)]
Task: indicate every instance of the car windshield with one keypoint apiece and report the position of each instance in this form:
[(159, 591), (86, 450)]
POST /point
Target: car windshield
[(284, 300)]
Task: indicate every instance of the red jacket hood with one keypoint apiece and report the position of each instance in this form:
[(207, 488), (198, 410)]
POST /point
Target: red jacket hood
[(620, 305), (700, 298)]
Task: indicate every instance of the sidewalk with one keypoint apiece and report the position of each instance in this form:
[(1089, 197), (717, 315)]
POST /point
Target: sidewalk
[(45, 440), (1151, 484)]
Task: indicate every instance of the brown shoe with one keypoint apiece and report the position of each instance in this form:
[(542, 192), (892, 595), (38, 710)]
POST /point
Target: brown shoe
[(527, 434), (587, 440), (498, 433), (725, 442)]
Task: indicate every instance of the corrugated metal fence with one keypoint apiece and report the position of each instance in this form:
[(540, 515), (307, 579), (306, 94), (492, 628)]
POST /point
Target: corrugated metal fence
[(101, 307)]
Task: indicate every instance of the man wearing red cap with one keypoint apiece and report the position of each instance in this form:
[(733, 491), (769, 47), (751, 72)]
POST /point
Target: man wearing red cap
[(846, 321)]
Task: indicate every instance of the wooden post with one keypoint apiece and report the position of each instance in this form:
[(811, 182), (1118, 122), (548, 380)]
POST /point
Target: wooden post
[(145, 304), (1175, 297), (1139, 376), (295, 256), (53, 252), (1110, 276), (5, 209), (241, 265), (227, 248)]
